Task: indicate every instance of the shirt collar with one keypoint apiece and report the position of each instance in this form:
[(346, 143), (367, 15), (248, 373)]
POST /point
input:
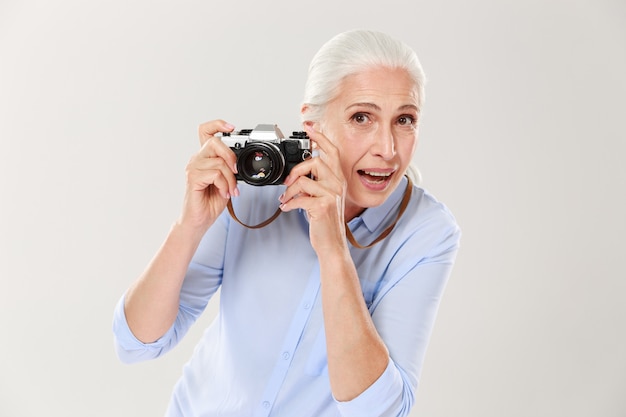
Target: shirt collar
[(374, 216)]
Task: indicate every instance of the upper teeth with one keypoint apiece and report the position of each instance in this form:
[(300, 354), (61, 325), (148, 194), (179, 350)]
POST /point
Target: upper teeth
[(378, 174)]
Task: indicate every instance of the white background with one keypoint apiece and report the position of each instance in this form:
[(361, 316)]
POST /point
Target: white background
[(522, 137)]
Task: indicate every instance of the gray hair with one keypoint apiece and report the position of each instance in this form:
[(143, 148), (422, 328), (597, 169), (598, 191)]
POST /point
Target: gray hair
[(353, 52)]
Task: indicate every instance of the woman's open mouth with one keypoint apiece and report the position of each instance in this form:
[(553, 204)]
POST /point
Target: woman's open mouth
[(376, 180)]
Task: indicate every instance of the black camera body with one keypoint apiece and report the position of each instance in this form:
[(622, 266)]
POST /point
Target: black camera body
[(264, 156)]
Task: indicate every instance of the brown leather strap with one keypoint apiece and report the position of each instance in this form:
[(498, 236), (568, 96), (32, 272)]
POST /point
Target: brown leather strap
[(258, 226), (351, 239), (385, 233)]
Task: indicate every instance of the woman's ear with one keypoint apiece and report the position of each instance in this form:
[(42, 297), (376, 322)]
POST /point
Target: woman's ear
[(303, 111), (306, 111)]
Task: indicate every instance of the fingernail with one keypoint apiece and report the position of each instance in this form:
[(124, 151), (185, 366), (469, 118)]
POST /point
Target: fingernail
[(235, 167), (236, 192), (229, 126), (281, 197)]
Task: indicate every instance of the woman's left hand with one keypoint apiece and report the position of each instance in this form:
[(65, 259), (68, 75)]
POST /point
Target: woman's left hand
[(322, 196)]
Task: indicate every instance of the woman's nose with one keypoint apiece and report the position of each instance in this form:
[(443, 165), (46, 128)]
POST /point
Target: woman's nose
[(384, 144)]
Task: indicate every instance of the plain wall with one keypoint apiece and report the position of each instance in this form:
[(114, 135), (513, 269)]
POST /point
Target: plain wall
[(522, 137)]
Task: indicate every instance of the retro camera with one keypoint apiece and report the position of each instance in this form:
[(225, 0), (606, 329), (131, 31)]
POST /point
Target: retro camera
[(264, 156)]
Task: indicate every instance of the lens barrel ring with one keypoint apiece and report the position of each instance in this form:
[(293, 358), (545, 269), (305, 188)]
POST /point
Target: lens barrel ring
[(260, 163)]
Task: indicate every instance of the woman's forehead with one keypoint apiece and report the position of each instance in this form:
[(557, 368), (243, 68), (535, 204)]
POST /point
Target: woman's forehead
[(372, 86)]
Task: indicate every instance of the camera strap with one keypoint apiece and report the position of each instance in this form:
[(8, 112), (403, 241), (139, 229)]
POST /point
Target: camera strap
[(403, 205), (231, 210)]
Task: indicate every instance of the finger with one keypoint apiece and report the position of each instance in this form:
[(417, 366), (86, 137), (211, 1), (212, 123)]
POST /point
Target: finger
[(297, 189), (310, 196), (305, 186), (313, 168), (203, 179), (200, 164), (209, 129), (295, 196), (215, 148), (329, 153), (214, 178), (318, 168), (303, 169)]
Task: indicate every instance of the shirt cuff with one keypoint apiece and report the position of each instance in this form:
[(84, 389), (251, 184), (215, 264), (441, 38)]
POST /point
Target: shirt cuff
[(384, 395), (130, 349)]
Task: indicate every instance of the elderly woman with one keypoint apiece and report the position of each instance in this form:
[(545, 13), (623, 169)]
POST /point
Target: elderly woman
[(327, 311)]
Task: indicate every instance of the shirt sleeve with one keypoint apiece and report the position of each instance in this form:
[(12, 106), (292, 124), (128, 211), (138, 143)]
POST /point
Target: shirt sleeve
[(404, 312), (202, 280), (129, 349)]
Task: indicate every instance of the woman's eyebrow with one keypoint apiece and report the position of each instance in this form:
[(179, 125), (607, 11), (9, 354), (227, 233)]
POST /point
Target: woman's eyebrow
[(370, 105), (408, 107), (376, 107)]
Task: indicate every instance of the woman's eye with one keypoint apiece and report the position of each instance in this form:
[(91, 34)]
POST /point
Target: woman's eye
[(406, 120), (360, 118)]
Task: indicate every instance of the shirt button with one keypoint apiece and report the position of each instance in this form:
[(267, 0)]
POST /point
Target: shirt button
[(286, 355), (266, 404), (307, 306)]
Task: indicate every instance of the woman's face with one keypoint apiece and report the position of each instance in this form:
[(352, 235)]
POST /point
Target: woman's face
[(373, 122)]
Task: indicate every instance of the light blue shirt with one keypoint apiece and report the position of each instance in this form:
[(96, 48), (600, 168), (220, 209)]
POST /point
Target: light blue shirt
[(265, 352)]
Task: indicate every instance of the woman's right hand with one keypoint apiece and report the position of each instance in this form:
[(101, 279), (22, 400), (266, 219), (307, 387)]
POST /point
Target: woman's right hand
[(151, 304), (210, 178)]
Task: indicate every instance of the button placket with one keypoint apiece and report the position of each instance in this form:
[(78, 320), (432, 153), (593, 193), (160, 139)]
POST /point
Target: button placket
[(292, 338)]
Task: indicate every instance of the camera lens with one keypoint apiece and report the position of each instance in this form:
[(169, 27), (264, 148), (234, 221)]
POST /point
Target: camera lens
[(260, 163)]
